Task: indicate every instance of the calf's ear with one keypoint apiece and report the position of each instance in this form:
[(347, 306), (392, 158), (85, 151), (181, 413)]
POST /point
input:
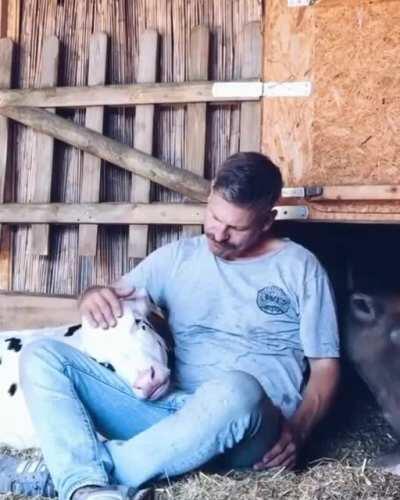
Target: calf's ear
[(364, 307)]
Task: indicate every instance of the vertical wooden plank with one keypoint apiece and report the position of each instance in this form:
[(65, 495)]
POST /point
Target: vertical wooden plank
[(13, 19), (43, 159), (3, 18), (143, 139), (6, 58), (250, 115), (196, 113), (90, 189)]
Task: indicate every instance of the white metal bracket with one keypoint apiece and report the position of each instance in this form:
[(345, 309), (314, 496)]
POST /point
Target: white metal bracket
[(291, 212), (302, 88), (302, 192), (301, 3), (254, 90)]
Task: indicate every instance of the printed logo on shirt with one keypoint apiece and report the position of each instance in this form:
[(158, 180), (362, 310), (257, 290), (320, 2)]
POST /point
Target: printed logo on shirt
[(273, 300)]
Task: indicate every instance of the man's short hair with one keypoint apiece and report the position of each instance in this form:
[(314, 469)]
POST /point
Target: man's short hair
[(249, 180)]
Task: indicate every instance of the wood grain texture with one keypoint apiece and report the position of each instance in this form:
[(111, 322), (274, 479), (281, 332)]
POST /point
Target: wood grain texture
[(90, 189), (143, 140), (92, 142), (102, 213), (6, 61), (196, 113), (250, 116), (44, 149), (23, 311)]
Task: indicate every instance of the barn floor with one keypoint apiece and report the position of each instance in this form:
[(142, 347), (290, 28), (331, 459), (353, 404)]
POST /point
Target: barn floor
[(336, 466)]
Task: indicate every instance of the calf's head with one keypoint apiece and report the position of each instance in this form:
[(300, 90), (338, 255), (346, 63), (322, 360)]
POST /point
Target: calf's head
[(135, 350)]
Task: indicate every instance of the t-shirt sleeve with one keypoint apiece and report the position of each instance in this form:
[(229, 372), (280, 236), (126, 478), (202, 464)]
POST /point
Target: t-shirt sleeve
[(152, 273), (318, 322)]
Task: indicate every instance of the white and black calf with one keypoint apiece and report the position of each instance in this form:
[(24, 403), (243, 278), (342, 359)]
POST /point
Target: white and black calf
[(132, 349)]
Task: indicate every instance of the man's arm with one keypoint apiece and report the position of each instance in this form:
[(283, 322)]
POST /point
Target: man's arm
[(317, 400)]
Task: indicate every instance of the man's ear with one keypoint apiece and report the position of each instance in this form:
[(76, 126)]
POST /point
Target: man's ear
[(364, 307), (269, 220)]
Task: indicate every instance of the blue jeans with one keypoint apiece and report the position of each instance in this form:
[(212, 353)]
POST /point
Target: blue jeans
[(229, 422)]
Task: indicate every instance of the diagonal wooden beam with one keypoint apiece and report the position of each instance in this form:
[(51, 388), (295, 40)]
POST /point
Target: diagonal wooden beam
[(191, 185)]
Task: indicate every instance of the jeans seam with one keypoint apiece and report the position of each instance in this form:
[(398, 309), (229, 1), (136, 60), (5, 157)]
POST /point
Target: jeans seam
[(88, 427)]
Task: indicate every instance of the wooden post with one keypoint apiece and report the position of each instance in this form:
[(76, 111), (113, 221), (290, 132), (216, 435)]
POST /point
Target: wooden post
[(43, 160), (90, 189), (3, 18), (196, 113), (6, 58), (13, 19), (144, 126), (174, 178), (250, 114)]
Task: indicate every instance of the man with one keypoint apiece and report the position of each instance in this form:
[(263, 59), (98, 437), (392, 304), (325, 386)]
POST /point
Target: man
[(246, 311)]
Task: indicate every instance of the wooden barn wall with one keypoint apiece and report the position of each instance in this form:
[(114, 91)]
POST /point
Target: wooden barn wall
[(348, 131), (73, 21)]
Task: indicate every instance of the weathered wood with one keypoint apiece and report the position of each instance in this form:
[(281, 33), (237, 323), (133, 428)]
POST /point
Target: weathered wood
[(143, 139), (43, 158), (196, 113), (3, 18), (250, 115), (119, 95), (6, 57), (19, 311), (177, 179), (359, 192), (90, 189), (102, 213), (13, 19)]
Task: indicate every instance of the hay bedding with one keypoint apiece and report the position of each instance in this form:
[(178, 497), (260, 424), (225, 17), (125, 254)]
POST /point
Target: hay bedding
[(336, 466)]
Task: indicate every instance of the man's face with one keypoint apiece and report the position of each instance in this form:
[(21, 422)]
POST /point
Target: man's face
[(232, 231)]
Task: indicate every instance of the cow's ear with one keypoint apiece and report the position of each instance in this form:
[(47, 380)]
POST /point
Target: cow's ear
[(364, 307)]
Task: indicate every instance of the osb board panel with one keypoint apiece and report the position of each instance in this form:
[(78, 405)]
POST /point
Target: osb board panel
[(356, 128), (348, 131), (288, 55), (123, 20)]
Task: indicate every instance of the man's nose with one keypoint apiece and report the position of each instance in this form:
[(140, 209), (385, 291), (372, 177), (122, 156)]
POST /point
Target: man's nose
[(221, 234)]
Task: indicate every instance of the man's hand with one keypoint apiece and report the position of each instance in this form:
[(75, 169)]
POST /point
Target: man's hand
[(285, 452), (101, 306)]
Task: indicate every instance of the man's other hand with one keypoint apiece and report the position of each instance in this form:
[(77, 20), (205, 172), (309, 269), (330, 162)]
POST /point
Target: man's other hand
[(284, 453), (101, 306)]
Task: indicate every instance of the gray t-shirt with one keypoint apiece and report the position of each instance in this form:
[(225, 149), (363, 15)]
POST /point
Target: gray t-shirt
[(262, 315)]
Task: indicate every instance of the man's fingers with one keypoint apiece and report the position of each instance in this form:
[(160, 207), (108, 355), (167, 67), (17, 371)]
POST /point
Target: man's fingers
[(98, 316), (279, 459), (105, 307), (278, 448), (92, 322), (113, 303)]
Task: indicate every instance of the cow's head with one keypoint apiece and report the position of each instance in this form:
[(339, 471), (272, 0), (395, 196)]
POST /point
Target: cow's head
[(133, 348)]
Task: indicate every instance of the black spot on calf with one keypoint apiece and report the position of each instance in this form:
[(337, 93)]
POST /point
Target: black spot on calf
[(12, 389), (14, 344), (71, 330), (109, 366)]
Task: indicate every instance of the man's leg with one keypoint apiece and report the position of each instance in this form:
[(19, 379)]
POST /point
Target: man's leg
[(70, 397), (230, 417)]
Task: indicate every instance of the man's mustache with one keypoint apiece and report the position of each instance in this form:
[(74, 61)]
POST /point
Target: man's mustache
[(222, 244)]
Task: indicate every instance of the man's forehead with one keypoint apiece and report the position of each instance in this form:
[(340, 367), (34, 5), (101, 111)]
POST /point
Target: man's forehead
[(228, 212)]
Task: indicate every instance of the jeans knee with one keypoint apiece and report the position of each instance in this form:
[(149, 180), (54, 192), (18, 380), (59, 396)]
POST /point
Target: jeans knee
[(36, 357), (239, 392)]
